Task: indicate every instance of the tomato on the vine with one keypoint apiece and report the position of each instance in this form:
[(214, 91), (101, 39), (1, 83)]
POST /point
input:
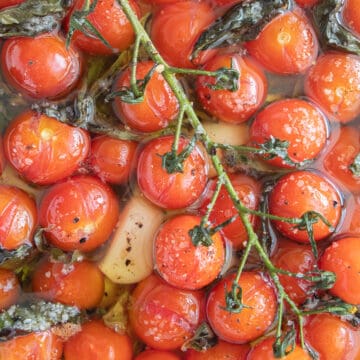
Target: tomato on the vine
[(351, 15), (9, 288)]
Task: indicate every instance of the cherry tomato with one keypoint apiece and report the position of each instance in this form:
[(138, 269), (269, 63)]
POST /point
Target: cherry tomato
[(299, 192), (44, 150), (79, 284), (9, 288), (176, 190), (264, 350), (7, 3), (286, 45), (352, 219), (18, 217), (296, 258), (111, 22), (334, 84), (157, 355), (221, 351), (248, 191), (306, 3), (332, 338), (35, 346), (40, 66), (233, 106), (176, 27), (341, 156), (79, 213), (342, 258), (351, 15), (182, 264), (296, 121), (112, 159), (164, 317), (2, 156), (260, 300), (96, 341), (158, 108)]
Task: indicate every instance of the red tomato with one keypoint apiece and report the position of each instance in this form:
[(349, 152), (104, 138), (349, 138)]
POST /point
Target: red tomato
[(112, 159), (296, 258), (306, 3), (18, 217), (9, 288), (341, 155), (96, 341), (299, 192), (294, 120), (79, 284), (79, 213), (34, 346), (221, 351), (286, 45), (176, 190), (7, 3), (164, 317), (352, 219), (351, 15), (40, 66), (111, 22), (247, 325), (334, 84), (157, 355), (44, 150), (2, 156), (176, 27), (233, 106), (248, 191), (332, 338), (342, 258), (158, 108), (264, 350), (179, 262)]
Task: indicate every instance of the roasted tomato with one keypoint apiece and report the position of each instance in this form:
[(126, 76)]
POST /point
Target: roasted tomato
[(9, 288)]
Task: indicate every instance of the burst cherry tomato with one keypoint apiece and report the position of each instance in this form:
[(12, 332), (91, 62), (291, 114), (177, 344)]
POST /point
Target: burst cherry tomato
[(294, 120), (334, 84), (159, 106), (302, 191), (111, 22), (179, 261), (164, 317), (248, 191), (79, 213), (351, 15), (18, 217), (176, 190), (287, 44), (241, 327), (233, 106), (40, 66), (96, 341), (157, 355), (44, 150), (176, 27), (9, 288)]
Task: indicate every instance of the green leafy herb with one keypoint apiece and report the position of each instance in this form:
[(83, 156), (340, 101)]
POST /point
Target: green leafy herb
[(355, 166), (203, 339), (13, 258)]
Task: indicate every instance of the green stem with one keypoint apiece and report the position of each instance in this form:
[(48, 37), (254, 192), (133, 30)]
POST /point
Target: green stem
[(133, 82), (179, 123)]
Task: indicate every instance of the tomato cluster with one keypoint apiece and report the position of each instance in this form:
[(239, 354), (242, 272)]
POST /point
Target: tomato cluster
[(133, 190)]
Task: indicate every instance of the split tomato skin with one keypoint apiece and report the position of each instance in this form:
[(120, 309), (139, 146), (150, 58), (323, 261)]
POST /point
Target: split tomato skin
[(40, 67), (9, 288), (79, 213)]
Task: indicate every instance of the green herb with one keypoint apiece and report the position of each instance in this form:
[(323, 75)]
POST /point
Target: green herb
[(355, 166), (14, 258)]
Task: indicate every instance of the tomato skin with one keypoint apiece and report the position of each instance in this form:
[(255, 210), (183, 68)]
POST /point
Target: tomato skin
[(40, 67), (159, 106), (182, 264), (78, 213), (157, 355), (250, 323), (233, 106), (9, 288), (298, 192), (44, 150), (342, 258), (18, 217), (176, 27), (351, 15), (163, 189), (286, 45), (35, 346), (111, 22), (248, 191), (96, 341), (79, 284), (294, 120), (306, 3), (162, 316), (334, 84), (8, 3), (221, 351), (112, 160)]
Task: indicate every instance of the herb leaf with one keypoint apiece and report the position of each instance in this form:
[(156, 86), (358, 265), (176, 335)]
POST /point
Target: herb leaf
[(355, 166)]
